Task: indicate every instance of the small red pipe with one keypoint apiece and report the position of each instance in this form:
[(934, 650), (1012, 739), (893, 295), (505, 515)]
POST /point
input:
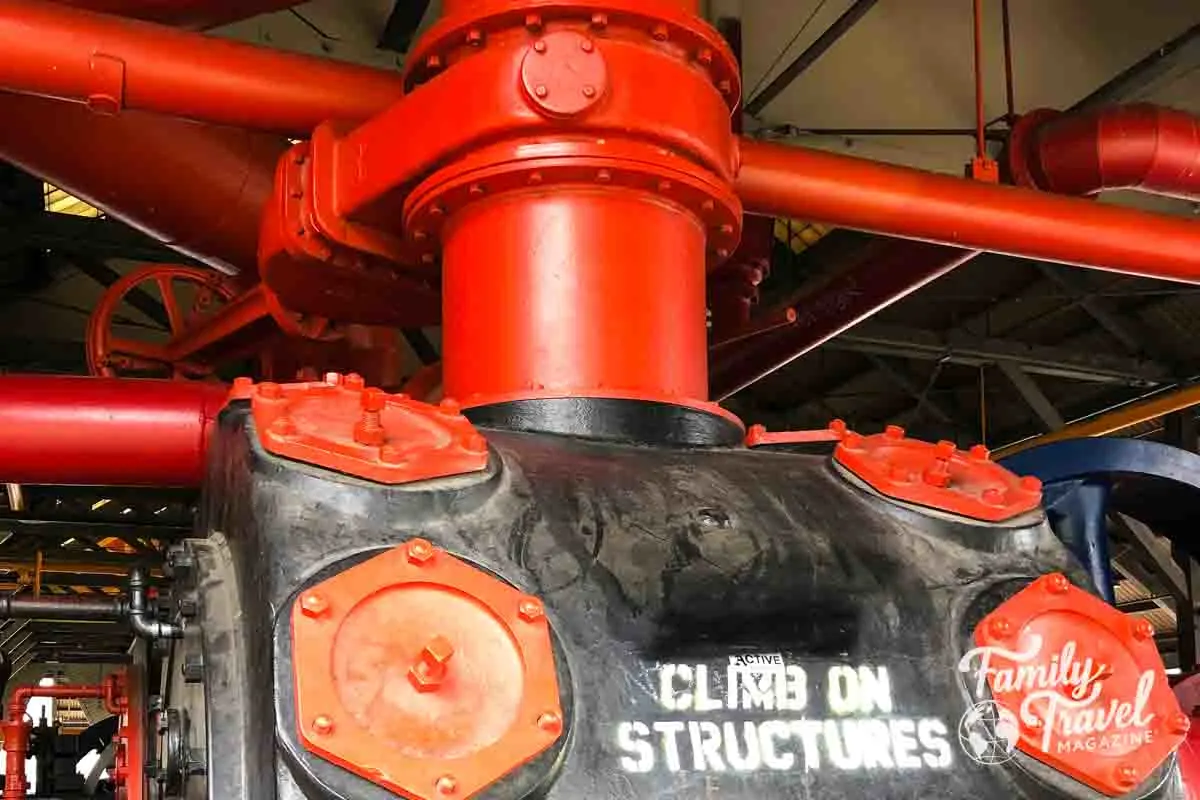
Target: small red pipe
[(1144, 147), (897, 201), (17, 730), (980, 122), (243, 311), (114, 64), (105, 431)]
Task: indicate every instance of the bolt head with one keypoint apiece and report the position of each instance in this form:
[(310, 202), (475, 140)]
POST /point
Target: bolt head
[(660, 33), (589, 91), (980, 453), (433, 62), (1127, 775), (420, 552), (374, 400), (587, 45), (539, 46), (322, 725), (1058, 584), (945, 449), (1179, 724), (450, 405), (1031, 484), (1143, 630), (705, 56), (475, 37), (314, 605), (533, 22), (550, 722), (530, 609), (894, 432), (1035, 723), (603, 176), (1001, 628), (541, 91), (599, 20), (447, 785)]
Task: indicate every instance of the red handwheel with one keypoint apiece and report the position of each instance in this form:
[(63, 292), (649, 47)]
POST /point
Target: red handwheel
[(189, 296)]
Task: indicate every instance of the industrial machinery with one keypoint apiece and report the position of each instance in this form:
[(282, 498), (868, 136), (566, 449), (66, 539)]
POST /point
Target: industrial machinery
[(575, 576)]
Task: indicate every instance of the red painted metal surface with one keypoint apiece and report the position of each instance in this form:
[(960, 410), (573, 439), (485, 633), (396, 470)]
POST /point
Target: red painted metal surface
[(1069, 669), (113, 64), (897, 201), (938, 476), (199, 188), (1143, 147), (887, 271), (195, 14), (17, 730), (341, 424), (105, 431), (423, 674)]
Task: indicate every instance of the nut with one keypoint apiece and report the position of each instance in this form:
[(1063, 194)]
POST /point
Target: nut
[(322, 725), (193, 668), (420, 552), (530, 609), (550, 722), (447, 784), (1000, 627), (1058, 584), (313, 605)]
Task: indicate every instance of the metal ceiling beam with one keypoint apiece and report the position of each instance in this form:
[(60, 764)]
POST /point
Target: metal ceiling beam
[(1033, 395), (810, 55), (910, 387), (1157, 551), (1074, 282), (1127, 84), (958, 347), (99, 236)]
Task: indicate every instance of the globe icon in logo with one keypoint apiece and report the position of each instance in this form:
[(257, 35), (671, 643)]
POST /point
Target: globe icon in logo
[(988, 733)]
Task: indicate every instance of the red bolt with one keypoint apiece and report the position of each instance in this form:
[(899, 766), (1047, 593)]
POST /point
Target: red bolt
[(243, 384), (1031, 484), (533, 22), (427, 258), (1127, 775), (894, 432), (945, 449), (707, 205), (530, 609), (1034, 722), (323, 725), (314, 605), (433, 62), (599, 20), (1143, 630), (722, 252), (369, 429), (476, 190), (420, 552), (938, 475), (419, 235), (1179, 724), (436, 211), (603, 176), (541, 91), (587, 45), (727, 230), (354, 381), (474, 37), (535, 178), (705, 56), (838, 426), (660, 33), (429, 671), (1000, 627), (724, 87), (271, 391), (333, 378), (447, 784), (550, 722), (1058, 584), (980, 453), (450, 405), (539, 46), (589, 91)]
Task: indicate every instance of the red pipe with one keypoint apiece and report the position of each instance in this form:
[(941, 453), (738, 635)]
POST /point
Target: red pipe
[(105, 431), (17, 730), (1144, 147), (114, 64), (980, 140), (887, 271), (897, 201), (194, 14), (199, 188)]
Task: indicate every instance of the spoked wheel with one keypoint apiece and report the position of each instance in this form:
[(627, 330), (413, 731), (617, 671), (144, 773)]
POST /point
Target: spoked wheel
[(188, 296)]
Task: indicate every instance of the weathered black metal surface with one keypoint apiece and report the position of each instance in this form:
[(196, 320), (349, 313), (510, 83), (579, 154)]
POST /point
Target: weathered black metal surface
[(679, 584)]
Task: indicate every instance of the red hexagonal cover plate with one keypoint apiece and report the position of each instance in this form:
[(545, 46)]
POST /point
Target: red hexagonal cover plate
[(423, 674), (1084, 683), (341, 424)]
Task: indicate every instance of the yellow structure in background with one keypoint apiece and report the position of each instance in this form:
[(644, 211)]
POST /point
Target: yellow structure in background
[(799, 236), (59, 202)]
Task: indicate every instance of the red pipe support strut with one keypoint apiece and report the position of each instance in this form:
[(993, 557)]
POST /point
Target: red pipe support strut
[(1144, 147), (112, 64), (897, 201), (104, 431)]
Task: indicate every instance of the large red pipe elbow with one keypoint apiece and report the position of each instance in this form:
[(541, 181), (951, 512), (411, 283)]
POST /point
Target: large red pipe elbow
[(105, 431), (112, 64), (856, 193), (1143, 147)]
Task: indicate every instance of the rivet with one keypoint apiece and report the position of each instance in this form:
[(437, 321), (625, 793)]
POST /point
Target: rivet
[(664, 186), (1058, 584), (533, 22), (599, 20), (433, 62), (450, 405), (477, 190), (322, 725), (980, 453), (271, 391), (539, 46), (727, 230), (1031, 484), (838, 426), (447, 784), (603, 176), (550, 722), (1127, 775), (587, 45), (333, 378), (722, 252), (707, 205), (530, 609), (436, 211), (314, 605), (945, 449), (938, 475), (894, 432), (541, 91), (474, 37), (419, 235), (354, 381), (1179, 724), (589, 91), (724, 87), (535, 178), (420, 551), (1143, 630), (660, 33), (1000, 627)]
